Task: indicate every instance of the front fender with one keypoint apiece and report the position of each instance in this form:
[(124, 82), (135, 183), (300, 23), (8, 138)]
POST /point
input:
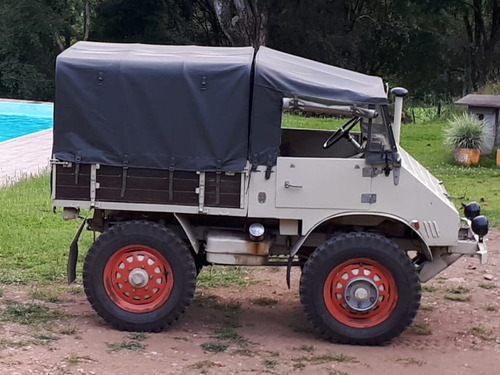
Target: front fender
[(381, 216)]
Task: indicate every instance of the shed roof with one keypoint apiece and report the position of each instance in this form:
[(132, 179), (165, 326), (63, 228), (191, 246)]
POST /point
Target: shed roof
[(476, 100)]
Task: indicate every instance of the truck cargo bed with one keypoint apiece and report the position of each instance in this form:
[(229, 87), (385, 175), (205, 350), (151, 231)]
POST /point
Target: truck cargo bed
[(150, 186)]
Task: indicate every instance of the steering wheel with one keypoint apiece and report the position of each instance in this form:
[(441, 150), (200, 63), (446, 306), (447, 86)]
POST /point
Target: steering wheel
[(342, 132)]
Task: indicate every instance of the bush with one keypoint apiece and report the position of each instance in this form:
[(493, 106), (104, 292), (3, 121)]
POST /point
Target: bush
[(464, 132)]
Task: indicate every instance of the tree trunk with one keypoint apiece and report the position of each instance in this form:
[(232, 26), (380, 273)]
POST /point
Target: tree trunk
[(86, 21), (243, 22), (59, 41), (482, 42)]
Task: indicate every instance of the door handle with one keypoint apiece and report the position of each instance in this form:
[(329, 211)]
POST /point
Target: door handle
[(288, 185)]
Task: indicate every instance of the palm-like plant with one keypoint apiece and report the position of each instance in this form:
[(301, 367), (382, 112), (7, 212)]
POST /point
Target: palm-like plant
[(464, 132)]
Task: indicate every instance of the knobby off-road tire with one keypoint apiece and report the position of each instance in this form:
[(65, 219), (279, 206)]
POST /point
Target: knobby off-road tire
[(139, 276), (360, 288)]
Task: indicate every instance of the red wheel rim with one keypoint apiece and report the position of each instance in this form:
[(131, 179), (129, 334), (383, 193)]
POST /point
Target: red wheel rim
[(138, 278), (360, 293)]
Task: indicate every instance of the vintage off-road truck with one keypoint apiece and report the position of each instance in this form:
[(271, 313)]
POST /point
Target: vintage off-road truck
[(178, 154)]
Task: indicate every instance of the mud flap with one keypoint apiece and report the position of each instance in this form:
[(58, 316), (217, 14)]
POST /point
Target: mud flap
[(73, 254), (288, 271)]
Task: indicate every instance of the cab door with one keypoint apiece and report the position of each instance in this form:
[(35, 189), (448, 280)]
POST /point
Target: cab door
[(322, 183)]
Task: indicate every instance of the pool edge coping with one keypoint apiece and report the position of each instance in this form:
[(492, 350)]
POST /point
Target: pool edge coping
[(24, 136), (24, 101)]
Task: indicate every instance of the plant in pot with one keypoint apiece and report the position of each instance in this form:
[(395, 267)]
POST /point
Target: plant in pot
[(465, 136)]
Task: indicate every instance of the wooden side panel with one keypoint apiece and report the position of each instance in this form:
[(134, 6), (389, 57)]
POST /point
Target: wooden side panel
[(73, 183), (222, 190), (148, 186)]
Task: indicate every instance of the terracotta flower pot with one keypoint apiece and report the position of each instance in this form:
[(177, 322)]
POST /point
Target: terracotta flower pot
[(467, 156)]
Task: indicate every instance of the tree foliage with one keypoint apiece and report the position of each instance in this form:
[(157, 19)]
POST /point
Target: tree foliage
[(437, 48)]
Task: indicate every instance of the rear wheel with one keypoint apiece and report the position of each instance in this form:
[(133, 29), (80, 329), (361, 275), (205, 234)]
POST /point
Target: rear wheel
[(139, 276), (360, 288)]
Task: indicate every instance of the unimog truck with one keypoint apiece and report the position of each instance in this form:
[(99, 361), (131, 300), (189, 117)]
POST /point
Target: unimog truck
[(177, 159)]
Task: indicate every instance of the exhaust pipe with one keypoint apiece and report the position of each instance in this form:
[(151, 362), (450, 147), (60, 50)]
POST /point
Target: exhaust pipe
[(399, 93)]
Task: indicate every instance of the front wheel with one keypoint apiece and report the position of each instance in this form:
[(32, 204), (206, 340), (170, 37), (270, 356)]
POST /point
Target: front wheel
[(360, 288), (139, 276)]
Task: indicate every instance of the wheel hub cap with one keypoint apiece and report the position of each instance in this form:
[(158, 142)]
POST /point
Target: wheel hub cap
[(361, 294), (138, 278)]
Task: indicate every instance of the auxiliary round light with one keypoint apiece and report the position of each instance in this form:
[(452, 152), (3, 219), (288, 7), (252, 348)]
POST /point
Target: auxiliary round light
[(471, 210), (480, 225), (256, 231)]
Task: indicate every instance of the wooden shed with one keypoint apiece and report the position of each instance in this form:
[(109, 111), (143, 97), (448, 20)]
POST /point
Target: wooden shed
[(485, 108)]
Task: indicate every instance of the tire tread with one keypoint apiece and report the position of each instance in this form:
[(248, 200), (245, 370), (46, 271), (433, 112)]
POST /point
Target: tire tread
[(322, 255), (149, 229)]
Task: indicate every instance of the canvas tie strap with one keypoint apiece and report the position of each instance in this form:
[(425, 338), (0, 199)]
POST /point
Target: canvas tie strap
[(218, 175), (124, 176), (269, 168), (78, 159), (171, 180)]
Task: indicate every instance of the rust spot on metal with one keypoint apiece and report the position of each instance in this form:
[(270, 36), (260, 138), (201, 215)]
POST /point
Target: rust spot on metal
[(249, 260), (258, 248)]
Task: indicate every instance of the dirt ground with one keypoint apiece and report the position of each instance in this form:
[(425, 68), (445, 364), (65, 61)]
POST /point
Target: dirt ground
[(262, 329)]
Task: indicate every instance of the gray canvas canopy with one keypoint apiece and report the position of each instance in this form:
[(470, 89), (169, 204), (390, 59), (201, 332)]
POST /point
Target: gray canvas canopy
[(186, 107), (279, 75), (182, 107)]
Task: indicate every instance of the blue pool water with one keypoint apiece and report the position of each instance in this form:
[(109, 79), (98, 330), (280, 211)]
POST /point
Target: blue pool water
[(18, 119)]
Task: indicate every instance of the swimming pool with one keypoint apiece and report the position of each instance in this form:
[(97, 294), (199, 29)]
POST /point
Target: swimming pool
[(20, 118)]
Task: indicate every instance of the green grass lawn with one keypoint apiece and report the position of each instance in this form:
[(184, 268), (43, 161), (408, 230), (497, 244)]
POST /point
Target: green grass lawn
[(301, 122), (34, 241)]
